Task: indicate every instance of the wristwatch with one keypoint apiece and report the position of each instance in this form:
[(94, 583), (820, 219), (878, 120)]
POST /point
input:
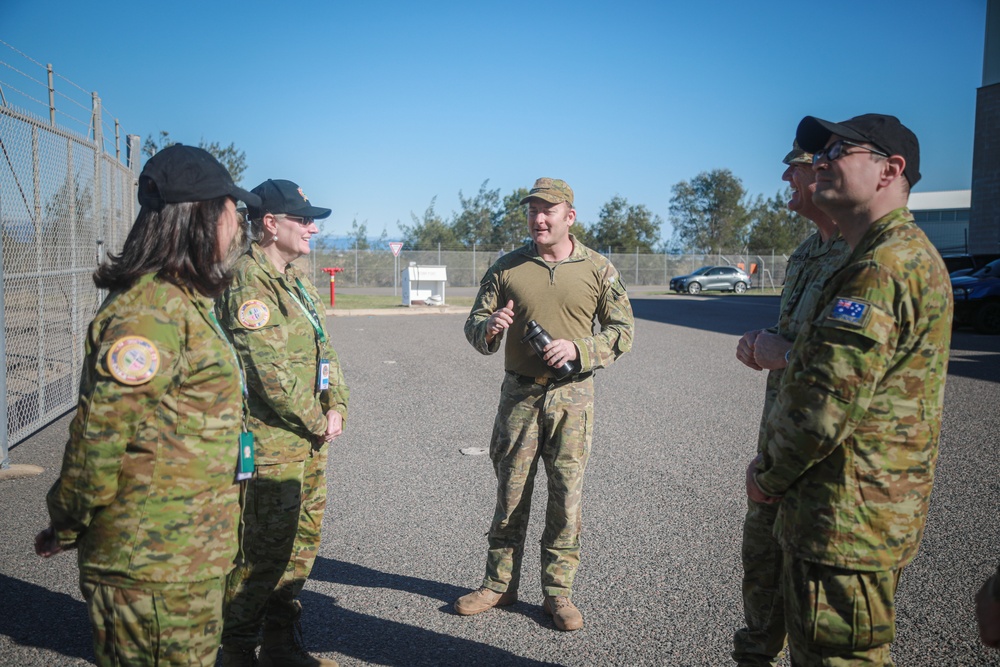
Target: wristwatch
[(788, 356)]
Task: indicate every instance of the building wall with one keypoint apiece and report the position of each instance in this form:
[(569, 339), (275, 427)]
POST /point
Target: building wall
[(984, 223)]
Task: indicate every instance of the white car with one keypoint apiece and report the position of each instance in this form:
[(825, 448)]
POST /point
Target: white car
[(724, 278)]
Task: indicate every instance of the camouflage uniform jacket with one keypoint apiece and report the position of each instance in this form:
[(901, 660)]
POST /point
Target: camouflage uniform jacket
[(564, 298), (853, 437), (280, 352), (809, 269), (147, 490)]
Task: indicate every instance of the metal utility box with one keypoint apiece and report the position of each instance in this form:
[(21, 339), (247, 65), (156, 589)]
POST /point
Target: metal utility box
[(424, 285)]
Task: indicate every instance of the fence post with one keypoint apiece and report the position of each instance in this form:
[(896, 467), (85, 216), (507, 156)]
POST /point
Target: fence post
[(4, 430), (52, 98), (37, 185)]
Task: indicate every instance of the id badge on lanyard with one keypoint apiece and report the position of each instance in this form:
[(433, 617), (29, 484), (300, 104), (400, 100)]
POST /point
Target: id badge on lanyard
[(323, 375), (245, 468)]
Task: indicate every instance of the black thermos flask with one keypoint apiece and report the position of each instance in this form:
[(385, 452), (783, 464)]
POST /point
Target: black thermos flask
[(538, 338)]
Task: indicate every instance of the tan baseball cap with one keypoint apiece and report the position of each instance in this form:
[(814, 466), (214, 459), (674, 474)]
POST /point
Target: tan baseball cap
[(798, 156), (551, 190)]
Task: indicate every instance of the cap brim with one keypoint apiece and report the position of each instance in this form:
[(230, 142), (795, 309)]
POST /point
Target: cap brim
[(314, 212), (813, 133), (796, 156), (250, 199), (552, 199)]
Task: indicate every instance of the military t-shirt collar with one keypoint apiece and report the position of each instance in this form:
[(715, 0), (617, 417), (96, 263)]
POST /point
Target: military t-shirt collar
[(891, 220)]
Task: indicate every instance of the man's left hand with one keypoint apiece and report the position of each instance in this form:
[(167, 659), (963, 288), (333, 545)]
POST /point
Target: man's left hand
[(769, 351), (559, 352)]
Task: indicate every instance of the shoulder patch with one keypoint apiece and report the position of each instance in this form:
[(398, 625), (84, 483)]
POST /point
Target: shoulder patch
[(133, 360), (849, 311), (253, 314)]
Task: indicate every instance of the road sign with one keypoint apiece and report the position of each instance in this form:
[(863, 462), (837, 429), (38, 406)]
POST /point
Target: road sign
[(395, 246)]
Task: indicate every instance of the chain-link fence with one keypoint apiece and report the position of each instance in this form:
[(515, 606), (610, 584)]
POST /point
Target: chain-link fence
[(376, 268), (65, 202)]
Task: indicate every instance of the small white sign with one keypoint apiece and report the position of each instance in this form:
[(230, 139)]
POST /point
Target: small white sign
[(395, 246)]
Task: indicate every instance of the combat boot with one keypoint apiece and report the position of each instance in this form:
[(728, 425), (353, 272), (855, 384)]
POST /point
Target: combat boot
[(563, 612), (482, 599), (282, 647), (238, 657)]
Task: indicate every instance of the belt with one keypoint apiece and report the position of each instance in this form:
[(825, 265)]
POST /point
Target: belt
[(545, 380)]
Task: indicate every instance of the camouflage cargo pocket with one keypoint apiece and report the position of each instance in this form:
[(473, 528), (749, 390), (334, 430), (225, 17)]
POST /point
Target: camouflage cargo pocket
[(850, 610)]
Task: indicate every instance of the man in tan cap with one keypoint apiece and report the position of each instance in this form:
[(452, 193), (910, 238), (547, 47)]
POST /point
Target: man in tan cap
[(809, 268), (546, 410)]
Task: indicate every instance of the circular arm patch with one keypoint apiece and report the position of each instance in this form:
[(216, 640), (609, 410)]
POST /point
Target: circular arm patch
[(133, 360), (253, 314)]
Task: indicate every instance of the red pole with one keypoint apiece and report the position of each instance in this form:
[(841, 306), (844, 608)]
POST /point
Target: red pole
[(333, 289)]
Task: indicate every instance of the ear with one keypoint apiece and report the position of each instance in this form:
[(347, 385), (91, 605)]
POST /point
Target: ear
[(571, 216), (270, 224), (892, 169)]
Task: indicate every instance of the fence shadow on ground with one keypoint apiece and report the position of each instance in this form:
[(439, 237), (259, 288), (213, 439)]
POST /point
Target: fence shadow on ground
[(731, 315), (35, 616), (375, 640)]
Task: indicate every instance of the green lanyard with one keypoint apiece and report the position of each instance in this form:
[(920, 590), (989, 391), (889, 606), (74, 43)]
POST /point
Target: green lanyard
[(236, 361), (311, 311)]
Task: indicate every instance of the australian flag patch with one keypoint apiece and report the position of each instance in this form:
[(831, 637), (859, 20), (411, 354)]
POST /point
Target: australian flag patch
[(846, 310)]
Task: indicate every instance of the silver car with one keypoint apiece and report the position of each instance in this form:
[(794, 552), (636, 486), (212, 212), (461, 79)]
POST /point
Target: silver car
[(724, 278)]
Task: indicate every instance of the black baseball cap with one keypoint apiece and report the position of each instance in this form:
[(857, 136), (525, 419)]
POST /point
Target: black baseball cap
[(278, 196), (884, 132), (181, 173)]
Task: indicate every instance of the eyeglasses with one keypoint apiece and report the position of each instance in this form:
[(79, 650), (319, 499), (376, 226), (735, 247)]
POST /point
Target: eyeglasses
[(305, 222), (835, 151)]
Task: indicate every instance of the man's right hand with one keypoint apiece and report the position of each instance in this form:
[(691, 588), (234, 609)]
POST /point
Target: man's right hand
[(499, 320), (745, 349), (46, 543)]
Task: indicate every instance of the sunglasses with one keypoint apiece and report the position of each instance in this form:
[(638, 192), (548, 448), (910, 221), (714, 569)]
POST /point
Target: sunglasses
[(836, 150), (305, 222)]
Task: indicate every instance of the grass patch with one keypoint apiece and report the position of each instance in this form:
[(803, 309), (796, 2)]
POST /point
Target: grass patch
[(365, 301), (756, 291)]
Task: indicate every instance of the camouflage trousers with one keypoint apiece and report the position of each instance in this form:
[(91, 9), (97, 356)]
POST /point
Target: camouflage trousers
[(553, 423), (283, 514), (837, 617), (175, 624), (760, 642)]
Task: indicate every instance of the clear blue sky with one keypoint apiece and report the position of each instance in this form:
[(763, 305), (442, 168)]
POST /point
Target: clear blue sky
[(374, 107)]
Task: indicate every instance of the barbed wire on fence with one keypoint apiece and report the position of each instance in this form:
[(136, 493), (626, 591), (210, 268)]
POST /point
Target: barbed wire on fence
[(34, 93)]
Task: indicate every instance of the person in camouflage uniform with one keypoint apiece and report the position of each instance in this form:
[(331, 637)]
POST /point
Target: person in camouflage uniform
[(563, 285), (988, 611), (147, 492), (809, 268), (298, 405), (852, 439)]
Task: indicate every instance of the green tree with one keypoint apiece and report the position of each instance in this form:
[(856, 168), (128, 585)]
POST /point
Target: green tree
[(475, 223), (623, 226), (359, 234), (230, 156), (708, 213), (774, 227), (429, 231), (510, 229)]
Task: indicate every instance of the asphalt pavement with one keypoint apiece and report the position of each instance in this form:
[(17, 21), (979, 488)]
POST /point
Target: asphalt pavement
[(659, 584)]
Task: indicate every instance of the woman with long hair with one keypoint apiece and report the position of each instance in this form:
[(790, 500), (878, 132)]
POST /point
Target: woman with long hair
[(148, 493)]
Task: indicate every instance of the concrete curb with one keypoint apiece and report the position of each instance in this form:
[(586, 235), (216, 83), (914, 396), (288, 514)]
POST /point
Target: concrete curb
[(398, 310)]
